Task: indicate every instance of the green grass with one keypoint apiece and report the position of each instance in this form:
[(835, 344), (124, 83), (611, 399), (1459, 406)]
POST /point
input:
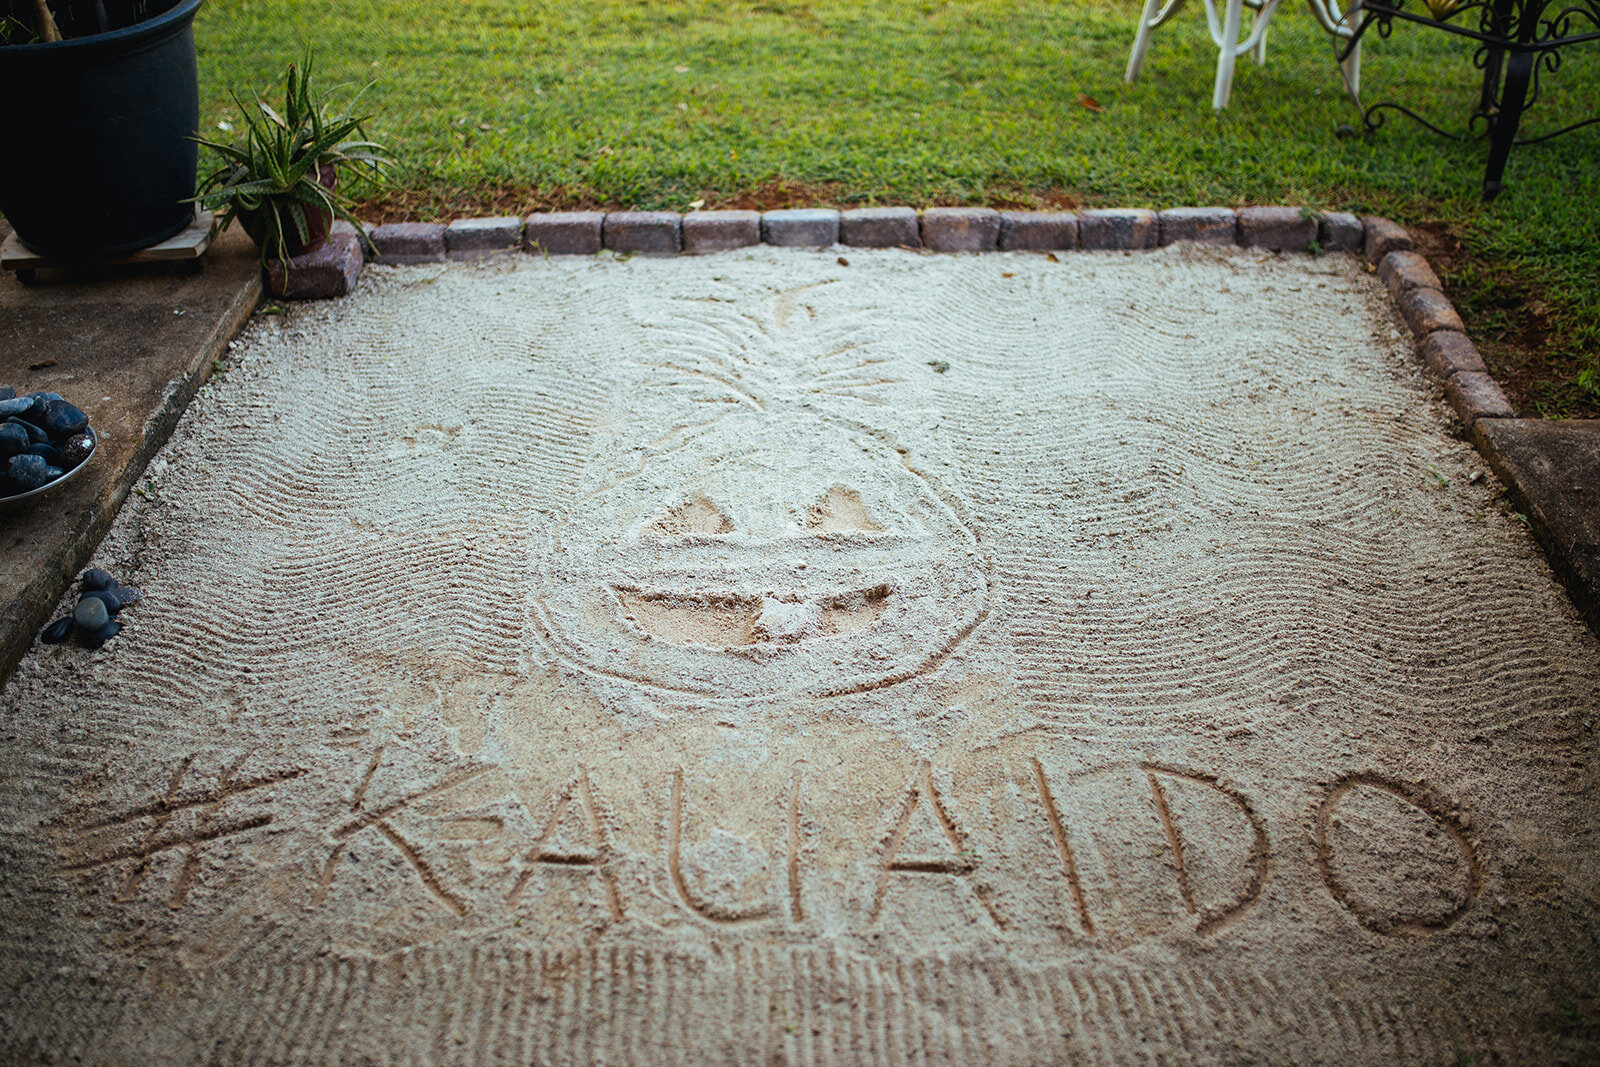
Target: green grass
[(499, 104)]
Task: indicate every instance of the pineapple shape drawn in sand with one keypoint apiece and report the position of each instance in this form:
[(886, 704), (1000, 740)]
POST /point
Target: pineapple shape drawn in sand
[(771, 542)]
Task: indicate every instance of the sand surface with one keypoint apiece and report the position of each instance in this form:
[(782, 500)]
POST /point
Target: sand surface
[(754, 658)]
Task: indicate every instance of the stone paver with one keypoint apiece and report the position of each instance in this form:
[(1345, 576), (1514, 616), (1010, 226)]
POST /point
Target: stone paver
[(1427, 310), (715, 231), (331, 271), (408, 242), (1552, 469), (879, 227), (466, 239), (1118, 228), (1475, 395), (1407, 270), (1381, 236), (1341, 232), (1448, 352), (649, 232), (564, 233), (961, 229), (803, 227), (1204, 225), (1038, 231), (1277, 229)]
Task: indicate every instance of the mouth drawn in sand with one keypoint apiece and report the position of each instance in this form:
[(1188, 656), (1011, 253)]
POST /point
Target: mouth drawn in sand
[(762, 557)]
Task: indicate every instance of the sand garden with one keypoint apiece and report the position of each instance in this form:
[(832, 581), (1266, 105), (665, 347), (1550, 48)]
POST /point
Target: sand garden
[(774, 656)]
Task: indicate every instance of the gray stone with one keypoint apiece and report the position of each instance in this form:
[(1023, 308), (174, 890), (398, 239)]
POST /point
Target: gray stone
[(1427, 310), (1277, 229), (650, 232), (90, 614), (1380, 236), (1205, 225), (328, 272), (563, 233), (1039, 231), (1118, 228), (1448, 352), (466, 239), (1340, 232), (713, 231), (1407, 270), (1552, 470), (880, 227), (1477, 396), (408, 242), (804, 227), (961, 229)]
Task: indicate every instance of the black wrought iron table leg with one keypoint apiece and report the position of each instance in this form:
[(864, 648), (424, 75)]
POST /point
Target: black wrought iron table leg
[(1494, 59), (1519, 70)]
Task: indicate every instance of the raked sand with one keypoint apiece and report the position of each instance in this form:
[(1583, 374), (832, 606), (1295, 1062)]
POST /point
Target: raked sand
[(755, 658)]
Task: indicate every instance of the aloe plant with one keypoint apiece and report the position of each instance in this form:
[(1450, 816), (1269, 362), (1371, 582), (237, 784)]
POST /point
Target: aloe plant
[(273, 182)]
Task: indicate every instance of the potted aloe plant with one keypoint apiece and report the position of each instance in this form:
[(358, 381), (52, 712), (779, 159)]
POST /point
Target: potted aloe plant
[(103, 106), (281, 183)]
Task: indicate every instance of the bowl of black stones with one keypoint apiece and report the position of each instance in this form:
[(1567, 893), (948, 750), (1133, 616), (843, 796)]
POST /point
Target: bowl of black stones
[(44, 441), (94, 617)]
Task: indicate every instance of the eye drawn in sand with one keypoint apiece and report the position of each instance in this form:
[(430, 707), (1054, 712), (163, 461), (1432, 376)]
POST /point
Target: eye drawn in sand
[(774, 542)]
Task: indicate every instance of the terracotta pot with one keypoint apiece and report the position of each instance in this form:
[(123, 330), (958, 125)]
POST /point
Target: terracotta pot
[(318, 223)]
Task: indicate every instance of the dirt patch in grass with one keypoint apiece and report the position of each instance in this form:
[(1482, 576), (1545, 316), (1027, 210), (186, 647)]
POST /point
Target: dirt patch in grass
[(484, 201), (441, 205)]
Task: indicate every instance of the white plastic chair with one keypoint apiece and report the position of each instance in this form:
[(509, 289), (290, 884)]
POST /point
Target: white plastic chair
[(1225, 32)]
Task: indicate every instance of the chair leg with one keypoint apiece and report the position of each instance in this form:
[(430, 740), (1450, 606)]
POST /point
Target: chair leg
[(1141, 40), (1259, 52), (1352, 62), (1228, 52)]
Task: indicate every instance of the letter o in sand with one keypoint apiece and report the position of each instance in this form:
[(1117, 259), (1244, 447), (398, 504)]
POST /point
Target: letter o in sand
[(1394, 858)]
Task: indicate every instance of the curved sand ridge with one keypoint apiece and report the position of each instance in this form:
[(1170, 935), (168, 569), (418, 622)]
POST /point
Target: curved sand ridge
[(747, 656)]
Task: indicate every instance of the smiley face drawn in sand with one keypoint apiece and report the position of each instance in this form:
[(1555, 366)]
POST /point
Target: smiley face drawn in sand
[(769, 554)]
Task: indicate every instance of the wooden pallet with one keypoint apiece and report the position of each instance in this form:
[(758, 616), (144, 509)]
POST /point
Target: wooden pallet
[(185, 248)]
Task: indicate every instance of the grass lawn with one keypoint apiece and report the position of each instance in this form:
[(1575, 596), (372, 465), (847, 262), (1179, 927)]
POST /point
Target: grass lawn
[(500, 106)]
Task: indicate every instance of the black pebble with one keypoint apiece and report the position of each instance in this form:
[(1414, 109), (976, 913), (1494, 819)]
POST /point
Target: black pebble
[(31, 471), (76, 450), (94, 579), (57, 631), (91, 614), (35, 434), (13, 439), (7, 393), (100, 636), (128, 595), (63, 419), (51, 454), (108, 597), (16, 405)]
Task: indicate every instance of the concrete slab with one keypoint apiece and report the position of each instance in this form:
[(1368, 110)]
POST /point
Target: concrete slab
[(1552, 469), (750, 658), (130, 349)]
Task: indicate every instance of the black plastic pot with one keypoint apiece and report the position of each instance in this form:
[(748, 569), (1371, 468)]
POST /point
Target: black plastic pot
[(98, 134)]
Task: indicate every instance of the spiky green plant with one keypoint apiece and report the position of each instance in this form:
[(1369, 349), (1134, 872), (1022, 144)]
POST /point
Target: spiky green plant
[(272, 183)]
